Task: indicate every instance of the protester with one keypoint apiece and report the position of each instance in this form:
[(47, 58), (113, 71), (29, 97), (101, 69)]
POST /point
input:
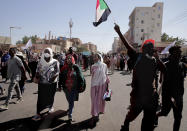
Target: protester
[(47, 73), (22, 81), (99, 84), (14, 73), (4, 61), (32, 62), (71, 52), (70, 78), (143, 92), (112, 64), (173, 86), (122, 62), (85, 62), (91, 60)]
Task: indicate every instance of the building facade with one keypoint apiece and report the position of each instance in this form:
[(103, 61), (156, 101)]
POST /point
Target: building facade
[(90, 47), (146, 23), (116, 45), (5, 43)]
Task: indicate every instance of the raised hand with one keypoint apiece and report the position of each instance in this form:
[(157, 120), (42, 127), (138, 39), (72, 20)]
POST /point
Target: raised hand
[(116, 28)]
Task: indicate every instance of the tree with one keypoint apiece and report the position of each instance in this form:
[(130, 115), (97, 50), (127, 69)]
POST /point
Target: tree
[(166, 38), (25, 39)]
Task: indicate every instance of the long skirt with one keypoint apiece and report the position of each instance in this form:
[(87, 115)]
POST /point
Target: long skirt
[(97, 102), (46, 93)]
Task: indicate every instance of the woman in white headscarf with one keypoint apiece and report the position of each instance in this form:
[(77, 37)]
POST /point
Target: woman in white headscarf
[(47, 73), (99, 83)]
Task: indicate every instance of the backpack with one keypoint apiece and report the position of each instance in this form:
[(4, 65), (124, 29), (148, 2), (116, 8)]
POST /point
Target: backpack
[(81, 84), (82, 87)]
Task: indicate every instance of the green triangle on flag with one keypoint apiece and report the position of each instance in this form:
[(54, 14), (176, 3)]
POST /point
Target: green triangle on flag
[(102, 12)]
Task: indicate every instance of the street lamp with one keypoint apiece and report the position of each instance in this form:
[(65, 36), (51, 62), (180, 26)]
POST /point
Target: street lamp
[(13, 27)]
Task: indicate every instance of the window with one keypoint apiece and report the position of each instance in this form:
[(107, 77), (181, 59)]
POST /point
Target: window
[(158, 15), (153, 10), (142, 21), (158, 24), (146, 13), (142, 13), (152, 31), (159, 8), (153, 18), (142, 30)]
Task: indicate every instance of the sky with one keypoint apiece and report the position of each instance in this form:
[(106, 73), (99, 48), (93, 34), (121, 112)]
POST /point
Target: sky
[(38, 17)]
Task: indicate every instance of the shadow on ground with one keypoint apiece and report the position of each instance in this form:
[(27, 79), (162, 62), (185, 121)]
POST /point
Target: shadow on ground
[(125, 73), (49, 121), (83, 125)]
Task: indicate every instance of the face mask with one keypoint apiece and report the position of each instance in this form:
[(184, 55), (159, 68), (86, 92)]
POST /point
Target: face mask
[(46, 55)]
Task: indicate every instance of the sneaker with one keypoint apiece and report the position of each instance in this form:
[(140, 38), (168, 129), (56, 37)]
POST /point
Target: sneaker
[(4, 107), (51, 109), (19, 100), (36, 118)]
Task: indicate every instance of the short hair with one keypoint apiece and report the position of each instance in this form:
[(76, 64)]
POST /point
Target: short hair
[(175, 49), (13, 50)]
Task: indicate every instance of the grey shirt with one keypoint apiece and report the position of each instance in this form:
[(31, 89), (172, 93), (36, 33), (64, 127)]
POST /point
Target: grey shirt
[(14, 68)]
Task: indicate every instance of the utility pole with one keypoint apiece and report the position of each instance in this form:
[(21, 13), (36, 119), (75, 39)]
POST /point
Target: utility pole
[(70, 27), (12, 27)]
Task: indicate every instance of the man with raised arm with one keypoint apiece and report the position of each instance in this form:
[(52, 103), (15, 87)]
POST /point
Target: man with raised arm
[(143, 96)]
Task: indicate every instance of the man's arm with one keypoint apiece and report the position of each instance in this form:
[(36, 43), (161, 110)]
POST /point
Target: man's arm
[(21, 66), (161, 65), (124, 40)]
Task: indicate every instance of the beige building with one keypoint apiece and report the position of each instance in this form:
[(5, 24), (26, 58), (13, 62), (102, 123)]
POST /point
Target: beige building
[(40, 47), (146, 23), (115, 45), (90, 47), (5, 42), (76, 42)]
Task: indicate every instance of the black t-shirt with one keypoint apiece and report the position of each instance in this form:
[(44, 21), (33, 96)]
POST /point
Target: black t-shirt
[(144, 75), (173, 83)]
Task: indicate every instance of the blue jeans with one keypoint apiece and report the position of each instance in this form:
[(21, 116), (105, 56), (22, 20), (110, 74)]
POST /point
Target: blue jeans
[(71, 96)]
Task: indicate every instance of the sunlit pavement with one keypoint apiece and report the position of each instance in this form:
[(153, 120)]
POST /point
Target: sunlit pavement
[(18, 116)]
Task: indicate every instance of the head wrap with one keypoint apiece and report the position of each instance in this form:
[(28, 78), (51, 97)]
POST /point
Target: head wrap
[(72, 58), (100, 57), (147, 42), (43, 61)]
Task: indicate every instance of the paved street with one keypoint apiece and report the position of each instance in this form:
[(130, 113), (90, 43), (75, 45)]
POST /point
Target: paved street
[(18, 116)]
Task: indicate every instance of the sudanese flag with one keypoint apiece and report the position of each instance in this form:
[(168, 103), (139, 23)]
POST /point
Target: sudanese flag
[(102, 12)]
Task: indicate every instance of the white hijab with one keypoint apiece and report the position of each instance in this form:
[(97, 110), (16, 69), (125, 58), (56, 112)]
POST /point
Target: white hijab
[(101, 58), (99, 73), (43, 62)]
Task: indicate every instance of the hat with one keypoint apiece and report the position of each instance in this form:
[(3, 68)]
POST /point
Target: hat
[(19, 53), (147, 42)]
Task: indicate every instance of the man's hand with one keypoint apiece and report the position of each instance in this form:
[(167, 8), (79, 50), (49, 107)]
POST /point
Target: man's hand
[(117, 28), (155, 54)]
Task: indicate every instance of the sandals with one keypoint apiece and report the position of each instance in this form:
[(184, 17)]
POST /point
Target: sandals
[(37, 118)]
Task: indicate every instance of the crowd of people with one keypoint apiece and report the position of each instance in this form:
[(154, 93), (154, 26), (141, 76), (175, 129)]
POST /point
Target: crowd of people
[(50, 71)]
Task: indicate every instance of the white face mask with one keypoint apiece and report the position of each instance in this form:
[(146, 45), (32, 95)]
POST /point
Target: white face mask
[(46, 55)]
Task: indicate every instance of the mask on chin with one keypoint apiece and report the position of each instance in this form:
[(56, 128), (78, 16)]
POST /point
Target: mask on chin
[(46, 55)]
